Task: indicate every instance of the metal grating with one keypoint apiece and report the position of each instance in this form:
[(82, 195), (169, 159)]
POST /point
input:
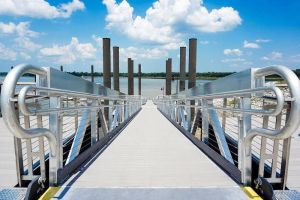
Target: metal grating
[(12, 193), (286, 194)]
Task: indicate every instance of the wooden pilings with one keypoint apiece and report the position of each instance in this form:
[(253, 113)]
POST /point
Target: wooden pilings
[(92, 74), (192, 69), (168, 76), (116, 68), (140, 79), (61, 68), (106, 63), (130, 77), (192, 62), (182, 68)]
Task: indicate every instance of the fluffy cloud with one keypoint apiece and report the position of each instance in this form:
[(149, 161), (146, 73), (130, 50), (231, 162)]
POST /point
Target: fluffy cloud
[(163, 16), (138, 53), (27, 44), (39, 8), (250, 45), (262, 40), (236, 52), (233, 60), (7, 54), (274, 56), (69, 53), (21, 29)]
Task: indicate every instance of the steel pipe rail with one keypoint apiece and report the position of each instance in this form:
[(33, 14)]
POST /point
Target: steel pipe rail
[(242, 86), (61, 105), (278, 94), (9, 114), (292, 123), (58, 92)]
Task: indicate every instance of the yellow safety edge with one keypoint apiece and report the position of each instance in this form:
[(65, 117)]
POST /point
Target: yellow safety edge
[(50, 192), (251, 193)]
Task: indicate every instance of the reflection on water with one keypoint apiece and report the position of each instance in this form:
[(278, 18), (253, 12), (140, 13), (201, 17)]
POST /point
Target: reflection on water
[(150, 87)]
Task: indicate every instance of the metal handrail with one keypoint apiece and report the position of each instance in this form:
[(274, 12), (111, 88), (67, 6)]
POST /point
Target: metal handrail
[(58, 92), (92, 100), (255, 77), (292, 123), (278, 93), (8, 107)]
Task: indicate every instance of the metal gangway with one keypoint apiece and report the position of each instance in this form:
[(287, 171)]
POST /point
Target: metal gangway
[(225, 139)]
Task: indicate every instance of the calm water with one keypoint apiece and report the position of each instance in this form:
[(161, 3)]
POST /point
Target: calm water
[(150, 87)]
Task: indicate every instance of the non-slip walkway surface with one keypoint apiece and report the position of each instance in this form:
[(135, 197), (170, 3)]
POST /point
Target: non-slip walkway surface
[(8, 174), (151, 152)]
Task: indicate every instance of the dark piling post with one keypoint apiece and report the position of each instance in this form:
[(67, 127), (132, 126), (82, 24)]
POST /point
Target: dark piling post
[(92, 73), (106, 63), (182, 68), (168, 76), (140, 79), (61, 68), (192, 61), (192, 69), (116, 68), (130, 77), (106, 71)]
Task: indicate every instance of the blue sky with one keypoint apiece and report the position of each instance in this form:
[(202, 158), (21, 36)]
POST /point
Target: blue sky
[(232, 35)]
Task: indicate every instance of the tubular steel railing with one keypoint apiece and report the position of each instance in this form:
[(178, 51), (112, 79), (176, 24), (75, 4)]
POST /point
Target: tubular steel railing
[(242, 118), (58, 119)]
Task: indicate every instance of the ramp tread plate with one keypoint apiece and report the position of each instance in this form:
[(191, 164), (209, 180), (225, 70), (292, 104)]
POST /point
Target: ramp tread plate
[(12, 193), (286, 194)]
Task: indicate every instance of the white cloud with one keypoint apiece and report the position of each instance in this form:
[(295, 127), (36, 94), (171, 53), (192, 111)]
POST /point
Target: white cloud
[(7, 54), (223, 19), (27, 43), (236, 52), (274, 56), (233, 60), (21, 29), (69, 53), (163, 16), (25, 56), (250, 45), (98, 40), (295, 58), (142, 53), (263, 40), (204, 42), (39, 8)]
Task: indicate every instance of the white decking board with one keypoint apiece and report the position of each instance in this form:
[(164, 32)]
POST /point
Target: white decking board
[(151, 152), (8, 174)]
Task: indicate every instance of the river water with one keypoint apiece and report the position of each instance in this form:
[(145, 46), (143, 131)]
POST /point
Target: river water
[(150, 87)]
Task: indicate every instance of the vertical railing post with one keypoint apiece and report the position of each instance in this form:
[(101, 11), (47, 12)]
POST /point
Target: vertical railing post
[(244, 160), (205, 122), (56, 160), (94, 123), (224, 114)]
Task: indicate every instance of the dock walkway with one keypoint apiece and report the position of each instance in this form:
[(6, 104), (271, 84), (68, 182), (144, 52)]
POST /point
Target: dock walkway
[(151, 152)]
